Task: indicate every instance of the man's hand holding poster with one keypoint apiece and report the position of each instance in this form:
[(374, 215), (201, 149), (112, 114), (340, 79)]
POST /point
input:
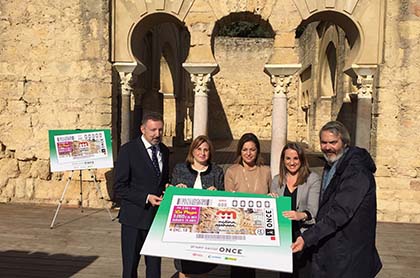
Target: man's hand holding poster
[(222, 228)]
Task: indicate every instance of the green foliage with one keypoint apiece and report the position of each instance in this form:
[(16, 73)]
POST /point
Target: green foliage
[(245, 29)]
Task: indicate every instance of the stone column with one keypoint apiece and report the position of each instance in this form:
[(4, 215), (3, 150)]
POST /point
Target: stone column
[(200, 103), (200, 76), (128, 72), (280, 79), (365, 78)]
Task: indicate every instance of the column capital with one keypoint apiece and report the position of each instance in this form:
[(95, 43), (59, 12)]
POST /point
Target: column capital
[(200, 75), (127, 82), (365, 77), (281, 85), (128, 72), (200, 81), (281, 76)]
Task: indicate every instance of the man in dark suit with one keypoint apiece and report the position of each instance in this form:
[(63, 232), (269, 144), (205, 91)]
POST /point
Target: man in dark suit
[(141, 173), (344, 234)]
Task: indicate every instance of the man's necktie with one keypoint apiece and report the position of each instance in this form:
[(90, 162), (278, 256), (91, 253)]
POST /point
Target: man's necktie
[(155, 160)]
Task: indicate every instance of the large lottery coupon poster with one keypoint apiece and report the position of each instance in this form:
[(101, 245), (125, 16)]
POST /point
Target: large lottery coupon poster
[(223, 228), (80, 149)]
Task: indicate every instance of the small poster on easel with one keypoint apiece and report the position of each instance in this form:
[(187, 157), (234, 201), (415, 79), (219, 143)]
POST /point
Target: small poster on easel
[(80, 149)]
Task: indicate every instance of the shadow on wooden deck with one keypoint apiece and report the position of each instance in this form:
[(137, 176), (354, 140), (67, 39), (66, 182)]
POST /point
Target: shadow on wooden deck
[(15, 263), (87, 245)]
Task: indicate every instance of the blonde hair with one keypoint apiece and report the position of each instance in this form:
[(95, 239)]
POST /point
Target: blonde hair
[(195, 144)]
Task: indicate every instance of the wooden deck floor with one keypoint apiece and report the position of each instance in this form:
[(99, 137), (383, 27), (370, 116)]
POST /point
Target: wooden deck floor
[(88, 245)]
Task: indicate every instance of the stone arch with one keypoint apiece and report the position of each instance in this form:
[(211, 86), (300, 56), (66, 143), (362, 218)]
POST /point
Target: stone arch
[(246, 17), (349, 25), (359, 20), (127, 14), (149, 22), (241, 17), (352, 22), (202, 27), (328, 32), (224, 8), (363, 25), (160, 43)]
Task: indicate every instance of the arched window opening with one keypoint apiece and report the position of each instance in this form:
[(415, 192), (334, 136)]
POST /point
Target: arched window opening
[(244, 25), (329, 71), (332, 63)]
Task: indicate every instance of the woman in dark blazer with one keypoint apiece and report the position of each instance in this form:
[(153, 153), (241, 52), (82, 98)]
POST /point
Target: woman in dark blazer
[(197, 172), (295, 180)]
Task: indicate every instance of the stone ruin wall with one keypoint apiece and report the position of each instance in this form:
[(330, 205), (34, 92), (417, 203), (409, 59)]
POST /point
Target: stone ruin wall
[(54, 74), (244, 90), (397, 116)]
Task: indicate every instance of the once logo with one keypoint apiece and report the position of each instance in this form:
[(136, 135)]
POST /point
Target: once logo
[(227, 250), (269, 218)]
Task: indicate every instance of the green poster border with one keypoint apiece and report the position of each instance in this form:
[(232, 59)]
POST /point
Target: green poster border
[(282, 203), (58, 132), (157, 229)]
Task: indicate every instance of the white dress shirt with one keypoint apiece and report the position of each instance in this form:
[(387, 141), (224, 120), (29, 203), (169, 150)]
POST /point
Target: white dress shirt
[(148, 146), (149, 151)]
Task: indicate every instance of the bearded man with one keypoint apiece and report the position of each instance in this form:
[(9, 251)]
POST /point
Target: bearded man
[(343, 237)]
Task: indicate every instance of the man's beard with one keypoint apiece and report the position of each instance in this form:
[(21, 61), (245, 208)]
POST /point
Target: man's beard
[(335, 158), (156, 141)]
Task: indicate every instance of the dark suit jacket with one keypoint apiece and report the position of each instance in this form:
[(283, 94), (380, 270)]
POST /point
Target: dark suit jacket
[(344, 235), (135, 178)]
